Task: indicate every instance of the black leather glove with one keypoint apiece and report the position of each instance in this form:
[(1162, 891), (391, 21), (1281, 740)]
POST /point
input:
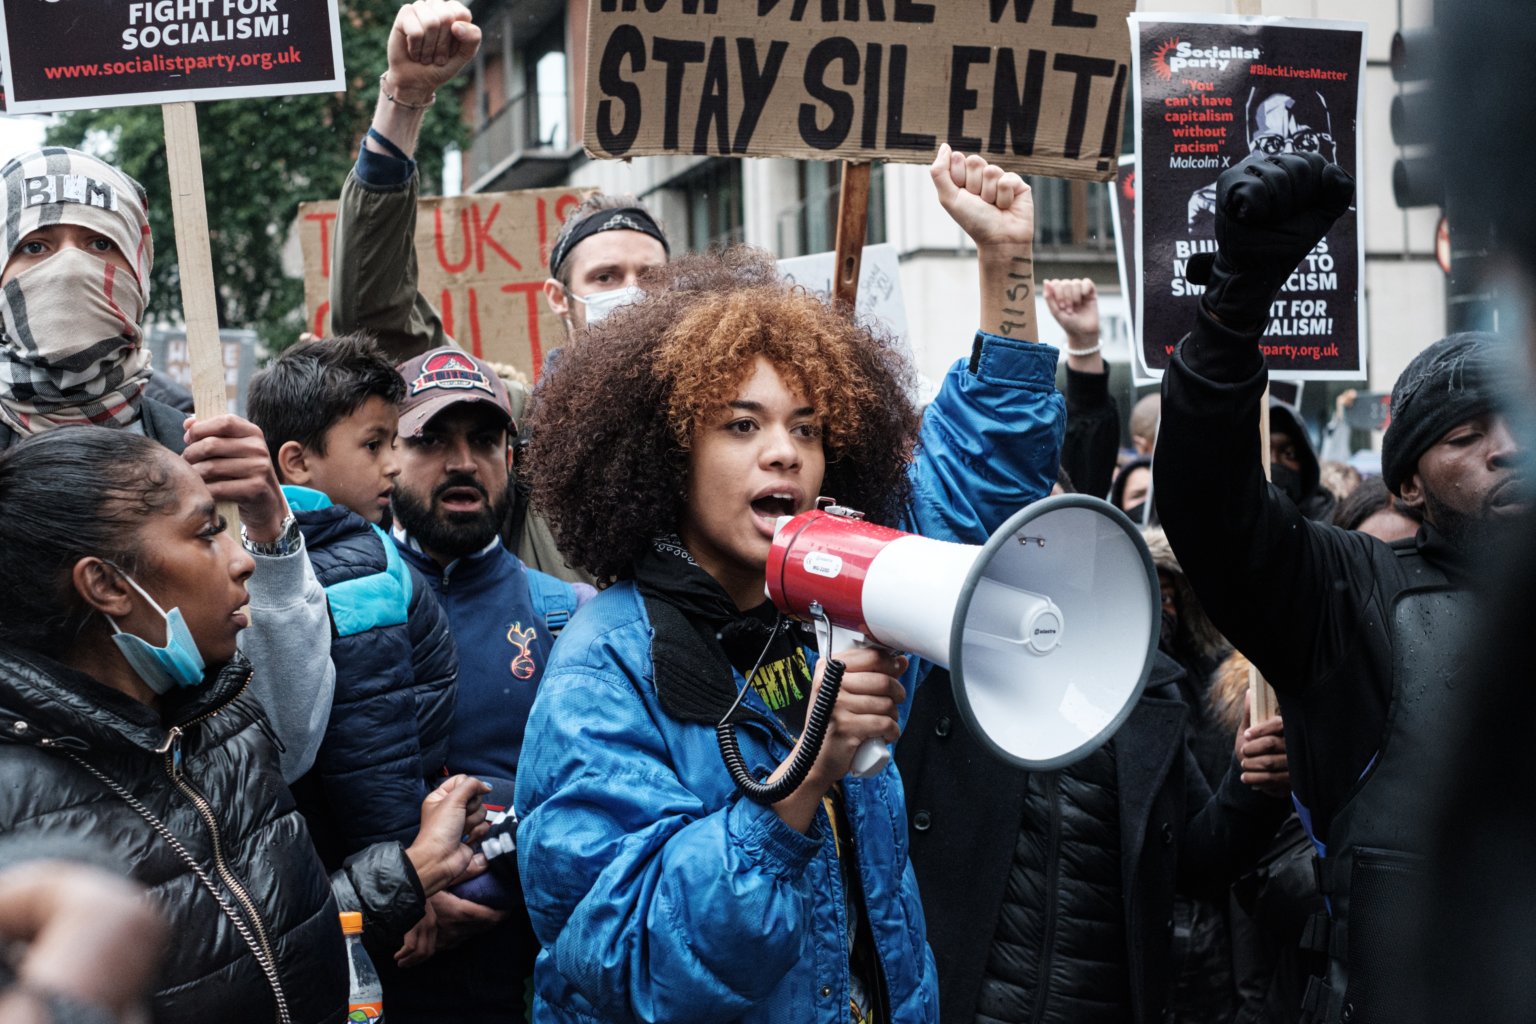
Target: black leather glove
[(1270, 212)]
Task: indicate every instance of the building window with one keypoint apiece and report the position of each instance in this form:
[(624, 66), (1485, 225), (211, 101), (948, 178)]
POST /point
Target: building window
[(489, 87), (1072, 214), (712, 194), (519, 99), (548, 106), (811, 224)]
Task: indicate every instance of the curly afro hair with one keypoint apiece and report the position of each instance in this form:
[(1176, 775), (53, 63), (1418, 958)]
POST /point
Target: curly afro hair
[(615, 418)]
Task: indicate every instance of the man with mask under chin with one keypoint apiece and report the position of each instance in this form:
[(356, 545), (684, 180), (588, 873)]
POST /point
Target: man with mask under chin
[(449, 503), (1359, 638)]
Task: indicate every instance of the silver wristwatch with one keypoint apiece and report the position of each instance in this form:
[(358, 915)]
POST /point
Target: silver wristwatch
[(287, 542)]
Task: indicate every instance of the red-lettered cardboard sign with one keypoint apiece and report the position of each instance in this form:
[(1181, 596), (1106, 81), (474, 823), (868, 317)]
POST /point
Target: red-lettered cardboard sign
[(483, 261), (1035, 86), (77, 54)]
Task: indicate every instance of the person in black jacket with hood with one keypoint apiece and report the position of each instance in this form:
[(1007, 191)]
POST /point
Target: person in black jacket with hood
[(1359, 638), (1293, 465), (1049, 896), (126, 717)]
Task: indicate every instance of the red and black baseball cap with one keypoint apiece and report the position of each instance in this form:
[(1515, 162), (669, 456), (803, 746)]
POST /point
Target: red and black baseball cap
[(443, 377)]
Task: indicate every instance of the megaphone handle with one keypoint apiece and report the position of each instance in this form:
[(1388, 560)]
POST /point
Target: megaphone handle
[(870, 759), (873, 755)]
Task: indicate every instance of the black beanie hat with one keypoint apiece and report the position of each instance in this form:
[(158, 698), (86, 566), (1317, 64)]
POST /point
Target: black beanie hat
[(1445, 385)]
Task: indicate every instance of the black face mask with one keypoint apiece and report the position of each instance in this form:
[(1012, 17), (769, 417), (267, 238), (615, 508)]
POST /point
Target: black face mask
[(1288, 480), (1168, 632), (1137, 513)]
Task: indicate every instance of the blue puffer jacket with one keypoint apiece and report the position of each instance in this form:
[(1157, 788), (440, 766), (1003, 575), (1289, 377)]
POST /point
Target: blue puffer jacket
[(396, 675), (658, 893)]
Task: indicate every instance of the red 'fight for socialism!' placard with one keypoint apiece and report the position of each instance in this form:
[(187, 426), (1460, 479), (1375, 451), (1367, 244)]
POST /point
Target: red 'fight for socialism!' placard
[(75, 54)]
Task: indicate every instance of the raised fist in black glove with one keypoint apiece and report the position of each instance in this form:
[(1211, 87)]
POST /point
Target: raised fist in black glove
[(1270, 212)]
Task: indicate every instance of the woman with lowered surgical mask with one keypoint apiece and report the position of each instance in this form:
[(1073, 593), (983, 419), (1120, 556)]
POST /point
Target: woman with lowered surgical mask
[(74, 288), (126, 719)]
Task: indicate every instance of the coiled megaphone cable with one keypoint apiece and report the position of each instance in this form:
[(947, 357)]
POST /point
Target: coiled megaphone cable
[(811, 737), (810, 743)]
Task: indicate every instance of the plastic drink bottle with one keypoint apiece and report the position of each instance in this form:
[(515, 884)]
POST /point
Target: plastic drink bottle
[(365, 1004)]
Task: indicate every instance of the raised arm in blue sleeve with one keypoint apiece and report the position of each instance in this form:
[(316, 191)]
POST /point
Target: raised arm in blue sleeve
[(990, 442)]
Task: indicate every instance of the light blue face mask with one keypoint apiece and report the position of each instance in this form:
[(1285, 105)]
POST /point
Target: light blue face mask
[(178, 663), (600, 304)]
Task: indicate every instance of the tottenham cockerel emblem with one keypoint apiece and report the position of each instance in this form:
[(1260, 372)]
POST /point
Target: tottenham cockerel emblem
[(523, 666)]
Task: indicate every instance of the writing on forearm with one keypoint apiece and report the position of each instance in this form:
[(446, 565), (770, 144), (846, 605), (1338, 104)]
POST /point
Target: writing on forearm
[(1022, 270)]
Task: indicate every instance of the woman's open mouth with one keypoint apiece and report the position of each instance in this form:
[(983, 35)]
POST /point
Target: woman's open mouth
[(772, 506)]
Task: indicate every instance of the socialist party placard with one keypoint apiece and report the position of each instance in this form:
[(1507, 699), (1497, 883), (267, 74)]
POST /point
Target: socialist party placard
[(77, 54), (1211, 90)]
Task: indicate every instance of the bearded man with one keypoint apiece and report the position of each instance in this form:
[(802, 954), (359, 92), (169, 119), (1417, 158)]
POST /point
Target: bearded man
[(1360, 638)]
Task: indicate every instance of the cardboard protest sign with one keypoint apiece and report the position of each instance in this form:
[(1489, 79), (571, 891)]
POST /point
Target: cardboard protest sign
[(1034, 86), (171, 355), (1371, 410), (1212, 90), (880, 296), (483, 261), (76, 54)]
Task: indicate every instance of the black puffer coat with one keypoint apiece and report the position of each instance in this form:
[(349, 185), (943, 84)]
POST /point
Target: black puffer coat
[(396, 679), (217, 788), (966, 806)]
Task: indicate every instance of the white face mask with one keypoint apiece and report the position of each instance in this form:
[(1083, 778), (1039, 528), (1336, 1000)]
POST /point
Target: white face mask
[(600, 304)]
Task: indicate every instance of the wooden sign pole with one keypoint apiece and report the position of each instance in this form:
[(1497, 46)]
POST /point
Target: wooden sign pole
[(852, 225), (1262, 702), (194, 258)]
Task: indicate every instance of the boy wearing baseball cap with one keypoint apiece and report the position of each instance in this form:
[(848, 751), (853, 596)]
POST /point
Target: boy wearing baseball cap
[(329, 411)]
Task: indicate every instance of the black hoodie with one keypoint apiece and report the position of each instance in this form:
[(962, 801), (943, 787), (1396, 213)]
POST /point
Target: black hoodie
[(1313, 500)]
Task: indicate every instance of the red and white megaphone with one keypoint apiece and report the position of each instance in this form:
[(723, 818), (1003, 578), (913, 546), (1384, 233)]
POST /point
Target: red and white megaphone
[(1047, 629)]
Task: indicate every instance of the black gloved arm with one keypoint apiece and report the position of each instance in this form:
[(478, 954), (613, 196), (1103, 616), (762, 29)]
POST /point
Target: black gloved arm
[(1271, 211), (1221, 353)]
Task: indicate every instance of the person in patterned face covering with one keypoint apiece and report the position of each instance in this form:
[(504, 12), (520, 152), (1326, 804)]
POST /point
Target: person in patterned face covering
[(73, 294)]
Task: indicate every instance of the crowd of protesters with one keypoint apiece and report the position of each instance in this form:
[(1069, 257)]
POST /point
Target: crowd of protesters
[(465, 665)]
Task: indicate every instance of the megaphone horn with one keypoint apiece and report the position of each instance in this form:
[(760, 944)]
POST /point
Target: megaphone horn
[(1047, 629)]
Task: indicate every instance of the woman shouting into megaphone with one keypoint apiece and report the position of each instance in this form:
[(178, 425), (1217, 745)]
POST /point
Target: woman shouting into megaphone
[(666, 448)]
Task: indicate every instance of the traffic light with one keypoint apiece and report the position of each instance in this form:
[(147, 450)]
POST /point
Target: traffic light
[(1417, 179)]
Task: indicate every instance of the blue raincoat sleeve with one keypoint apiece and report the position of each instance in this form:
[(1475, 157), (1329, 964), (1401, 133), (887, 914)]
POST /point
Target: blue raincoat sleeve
[(990, 442)]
